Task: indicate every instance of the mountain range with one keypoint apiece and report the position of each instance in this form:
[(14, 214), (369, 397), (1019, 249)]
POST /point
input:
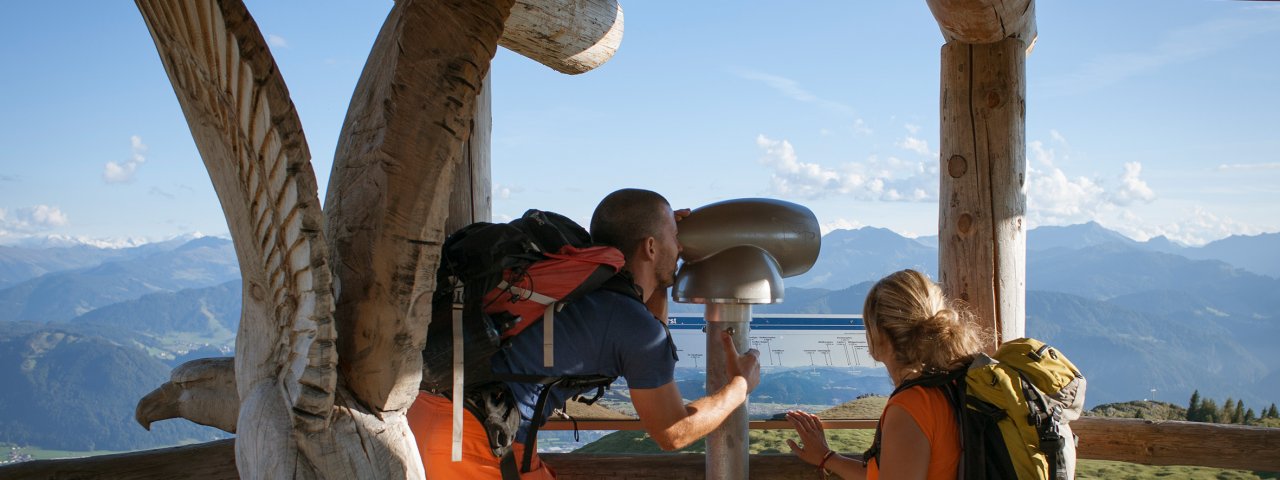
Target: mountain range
[(79, 323)]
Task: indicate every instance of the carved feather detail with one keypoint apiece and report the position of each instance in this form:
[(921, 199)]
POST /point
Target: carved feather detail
[(248, 133)]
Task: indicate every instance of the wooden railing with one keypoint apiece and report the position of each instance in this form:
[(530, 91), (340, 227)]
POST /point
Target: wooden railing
[(1127, 440)]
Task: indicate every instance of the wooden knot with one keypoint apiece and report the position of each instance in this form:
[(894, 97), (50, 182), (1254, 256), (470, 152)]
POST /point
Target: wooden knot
[(993, 99), (957, 166), (964, 224)]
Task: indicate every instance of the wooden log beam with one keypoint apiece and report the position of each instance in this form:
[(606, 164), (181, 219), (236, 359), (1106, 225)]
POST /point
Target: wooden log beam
[(1125, 440), (982, 239), (985, 21), (1179, 443), (675, 466), (635, 425), (570, 36), (204, 461)]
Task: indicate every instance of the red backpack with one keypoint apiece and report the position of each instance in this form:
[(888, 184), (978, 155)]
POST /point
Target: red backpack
[(494, 281)]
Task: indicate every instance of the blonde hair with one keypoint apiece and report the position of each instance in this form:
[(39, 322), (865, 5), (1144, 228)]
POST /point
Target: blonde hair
[(929, 332)]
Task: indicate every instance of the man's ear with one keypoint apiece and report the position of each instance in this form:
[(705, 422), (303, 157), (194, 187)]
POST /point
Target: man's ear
[(650, 248)]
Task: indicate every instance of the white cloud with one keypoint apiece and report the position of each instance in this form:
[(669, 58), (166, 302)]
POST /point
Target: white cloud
[(504, 192), (123, 172), (916, 145), (277, 41), (1055, 198), (1057, 137), (1249, 166), (28, 220), (1197, 229), (840, 224), (1132, 189), (888, 179)]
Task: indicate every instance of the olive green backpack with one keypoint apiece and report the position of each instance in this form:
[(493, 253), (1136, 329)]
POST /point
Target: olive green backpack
[(1017, 406)]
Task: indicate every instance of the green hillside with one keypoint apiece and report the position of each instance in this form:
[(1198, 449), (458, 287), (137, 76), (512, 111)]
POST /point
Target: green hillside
[(1144, 409), (70, 391)]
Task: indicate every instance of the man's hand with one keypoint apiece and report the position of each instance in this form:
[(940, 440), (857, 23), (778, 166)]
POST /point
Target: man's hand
[(681, 214), (746, 365)]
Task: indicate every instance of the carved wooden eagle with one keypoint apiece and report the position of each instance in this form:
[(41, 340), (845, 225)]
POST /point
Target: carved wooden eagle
[(335, 301)]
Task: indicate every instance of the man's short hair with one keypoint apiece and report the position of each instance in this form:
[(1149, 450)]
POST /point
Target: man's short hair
[(626, 217)]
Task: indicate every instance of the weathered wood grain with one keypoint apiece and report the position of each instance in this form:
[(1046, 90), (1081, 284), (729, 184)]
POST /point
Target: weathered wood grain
[(570, 36), (471, 198), (1179, 443), (982, 236), (985, 21), (389, 190), (1125, 440), (249, 136), (388, 196)]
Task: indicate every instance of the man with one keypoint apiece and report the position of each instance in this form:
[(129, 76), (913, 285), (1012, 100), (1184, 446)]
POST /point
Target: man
[(612, 332)]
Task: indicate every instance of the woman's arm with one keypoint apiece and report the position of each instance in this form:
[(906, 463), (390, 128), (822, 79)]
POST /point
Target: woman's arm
[(904, 449)]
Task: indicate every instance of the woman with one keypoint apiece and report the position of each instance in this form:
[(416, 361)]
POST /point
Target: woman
[(914, 331)]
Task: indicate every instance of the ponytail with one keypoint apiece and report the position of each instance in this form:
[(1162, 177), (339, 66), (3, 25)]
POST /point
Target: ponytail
[(929, 332)]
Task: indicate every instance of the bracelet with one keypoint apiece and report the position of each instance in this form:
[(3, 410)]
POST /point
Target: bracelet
[(826, 457)]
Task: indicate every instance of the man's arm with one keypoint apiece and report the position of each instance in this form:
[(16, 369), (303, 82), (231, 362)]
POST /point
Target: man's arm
[(674, 425)]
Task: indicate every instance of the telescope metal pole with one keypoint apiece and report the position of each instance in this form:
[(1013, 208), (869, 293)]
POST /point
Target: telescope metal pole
[(727, 453)]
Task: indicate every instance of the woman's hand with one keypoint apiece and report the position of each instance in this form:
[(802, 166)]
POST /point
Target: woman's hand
[(813, 438)]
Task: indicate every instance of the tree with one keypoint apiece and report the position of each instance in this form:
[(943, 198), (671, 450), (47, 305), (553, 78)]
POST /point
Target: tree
[(1250, 417), (1209, 409), (1193, 408), (1237, 415), (1272, 413)]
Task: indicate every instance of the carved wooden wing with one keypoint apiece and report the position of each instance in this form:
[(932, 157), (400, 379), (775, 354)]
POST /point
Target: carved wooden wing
[(390, 188), (249, 136)]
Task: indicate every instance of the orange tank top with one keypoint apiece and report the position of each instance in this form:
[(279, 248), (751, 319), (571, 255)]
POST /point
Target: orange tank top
[(932, 413)]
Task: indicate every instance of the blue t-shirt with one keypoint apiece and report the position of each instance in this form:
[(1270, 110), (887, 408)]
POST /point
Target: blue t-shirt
[(603, 333)]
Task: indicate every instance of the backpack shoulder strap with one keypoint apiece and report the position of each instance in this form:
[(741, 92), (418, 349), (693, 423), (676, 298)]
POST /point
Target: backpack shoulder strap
[(952, 385), (623, 283), (539, 410)]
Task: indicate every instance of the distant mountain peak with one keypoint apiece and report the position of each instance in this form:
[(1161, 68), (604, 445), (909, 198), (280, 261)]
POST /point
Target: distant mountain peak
[(107, 243), (1076, 236), (63, 241)]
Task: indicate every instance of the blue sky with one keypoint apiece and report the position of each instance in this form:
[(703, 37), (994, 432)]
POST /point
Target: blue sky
[(1150, 117)]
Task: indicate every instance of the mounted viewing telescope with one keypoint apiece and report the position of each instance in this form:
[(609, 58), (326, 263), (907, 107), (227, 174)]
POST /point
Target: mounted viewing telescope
[(736, 253)]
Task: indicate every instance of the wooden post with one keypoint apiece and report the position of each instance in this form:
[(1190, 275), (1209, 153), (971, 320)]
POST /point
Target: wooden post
[(982, 239), (471, 199)]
